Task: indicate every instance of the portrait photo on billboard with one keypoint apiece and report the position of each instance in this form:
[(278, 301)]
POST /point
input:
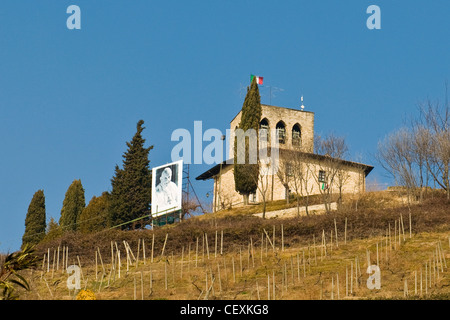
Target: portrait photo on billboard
[(167, 188)]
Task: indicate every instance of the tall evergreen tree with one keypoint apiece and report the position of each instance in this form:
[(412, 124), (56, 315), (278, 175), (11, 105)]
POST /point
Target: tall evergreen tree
[(35, 220), (246, 175), (95, 216), (131, 186), (73, 204)]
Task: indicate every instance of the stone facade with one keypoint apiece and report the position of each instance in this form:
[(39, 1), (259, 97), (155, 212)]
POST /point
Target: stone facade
[(288, 118), (350, 177), (296, 132)]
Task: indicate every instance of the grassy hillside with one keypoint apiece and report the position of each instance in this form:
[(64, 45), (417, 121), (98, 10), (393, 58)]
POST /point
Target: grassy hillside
[(235, 255)]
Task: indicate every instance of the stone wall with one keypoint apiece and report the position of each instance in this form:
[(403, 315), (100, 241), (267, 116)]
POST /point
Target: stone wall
[(289, 117), (225, 196), (353, 181)]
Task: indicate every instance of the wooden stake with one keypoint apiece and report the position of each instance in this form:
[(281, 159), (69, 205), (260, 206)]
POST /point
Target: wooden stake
[(443, 255), (165, 275), (252, 253), (64, 267), (405, 290), (151, 280), (390, 239), (189, 258), (378, 261), (257, 291), (215, 246), (234, 274), (304, 264), (274, 238), (54, 258), (395, 235), (182, 262), (221, 242), (240, 260), (196, 254), (410, 228), (315, 255), (262, 247), (273, 281), (225, 269), (96, 270), (164, 246), (143, 251), (112, 255), (220, 281), (207, 246), (351, 277), (268, 238), (101, 260), (368, 257), (346, 280), (332, 288), (345, 232), (386, 245), (415, 282), (421, 287), (81, 270), (403, 227), (57, 260), (331, 240), (134, 282), (337, 284), (48, 260), (142, 285), (336, 234), (118, 261), (138, 251), (153, 245)]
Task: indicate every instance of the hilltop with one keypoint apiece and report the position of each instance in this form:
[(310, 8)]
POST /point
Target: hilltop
[(233, 254)]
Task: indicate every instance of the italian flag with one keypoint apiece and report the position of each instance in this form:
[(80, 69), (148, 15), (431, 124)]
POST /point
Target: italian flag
[(259, 80)]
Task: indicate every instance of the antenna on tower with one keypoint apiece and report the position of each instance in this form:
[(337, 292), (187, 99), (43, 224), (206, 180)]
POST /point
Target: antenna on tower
[(188, 204), (302, 106)]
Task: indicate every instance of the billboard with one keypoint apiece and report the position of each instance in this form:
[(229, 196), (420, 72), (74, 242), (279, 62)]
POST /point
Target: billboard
[(167, 188)]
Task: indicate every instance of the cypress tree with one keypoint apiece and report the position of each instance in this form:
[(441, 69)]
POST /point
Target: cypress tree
[(131, 185), (35, 220), (53, 231), (95, 216), (246, 175), (73, 204)]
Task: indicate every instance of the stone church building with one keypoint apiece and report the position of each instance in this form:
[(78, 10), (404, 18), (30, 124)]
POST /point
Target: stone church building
[(295, 132)]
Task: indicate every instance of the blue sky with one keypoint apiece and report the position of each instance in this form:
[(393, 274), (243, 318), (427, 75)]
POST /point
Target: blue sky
[(70, 99)]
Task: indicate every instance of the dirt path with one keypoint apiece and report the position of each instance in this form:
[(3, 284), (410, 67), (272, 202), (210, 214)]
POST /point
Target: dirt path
[(292, 212)]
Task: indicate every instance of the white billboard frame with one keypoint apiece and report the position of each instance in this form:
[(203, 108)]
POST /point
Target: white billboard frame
[(167, 196)]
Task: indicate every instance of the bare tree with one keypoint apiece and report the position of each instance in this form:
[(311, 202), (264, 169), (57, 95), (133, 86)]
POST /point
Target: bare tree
[(295, 172), (415, 156), (331, 169), (433, 123), (396, 155)]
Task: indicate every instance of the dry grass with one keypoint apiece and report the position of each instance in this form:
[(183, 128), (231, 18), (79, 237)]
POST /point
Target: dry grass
[(184, 273), (190, 276)]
